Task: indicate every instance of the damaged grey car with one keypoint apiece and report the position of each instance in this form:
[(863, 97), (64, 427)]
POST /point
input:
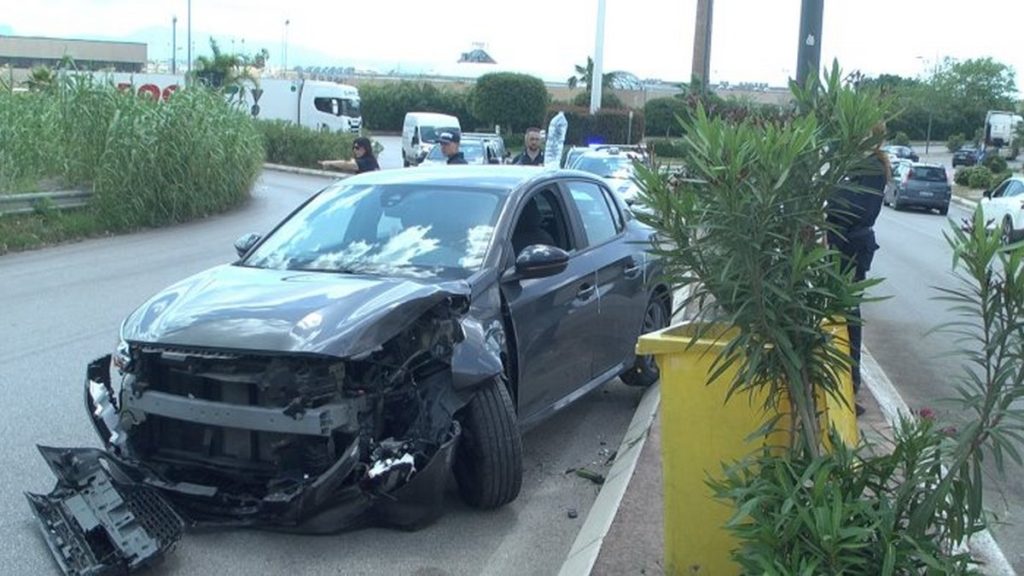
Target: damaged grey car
[(397, 327)]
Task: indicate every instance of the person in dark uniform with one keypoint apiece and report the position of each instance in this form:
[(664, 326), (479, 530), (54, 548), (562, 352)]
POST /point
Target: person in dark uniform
[(532, 154), (851, 212), (448, 140), (363, 159)]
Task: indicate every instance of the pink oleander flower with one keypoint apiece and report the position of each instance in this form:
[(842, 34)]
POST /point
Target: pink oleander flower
[(949, 431), (927, 414)]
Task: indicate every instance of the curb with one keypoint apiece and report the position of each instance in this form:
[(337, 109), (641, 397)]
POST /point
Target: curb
[(587, 546), (305, 171), (982, 545)]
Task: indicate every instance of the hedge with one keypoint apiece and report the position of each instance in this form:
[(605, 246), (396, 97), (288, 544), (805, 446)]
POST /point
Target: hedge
[(607, 126), (514, 101)]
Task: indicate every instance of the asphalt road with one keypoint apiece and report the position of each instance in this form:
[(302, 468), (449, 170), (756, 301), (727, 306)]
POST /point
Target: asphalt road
[(62, 307), (923, 364)]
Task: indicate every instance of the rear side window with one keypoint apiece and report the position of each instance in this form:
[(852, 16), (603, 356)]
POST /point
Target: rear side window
[(598, 221), (928, 174)]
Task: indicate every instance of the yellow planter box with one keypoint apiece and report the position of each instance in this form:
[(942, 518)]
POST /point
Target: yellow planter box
[(700, 431)]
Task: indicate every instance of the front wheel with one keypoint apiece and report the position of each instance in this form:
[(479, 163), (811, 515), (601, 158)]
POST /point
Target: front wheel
[(1007, 234), (489, 461), (644, 371)]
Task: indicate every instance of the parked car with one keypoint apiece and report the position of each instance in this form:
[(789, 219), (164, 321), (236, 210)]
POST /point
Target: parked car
[(497, 144), (397, 325), (919, 185), (615, 166), (967, 155), (574, 152), (1003, 208), (475, 150), (902, 152)]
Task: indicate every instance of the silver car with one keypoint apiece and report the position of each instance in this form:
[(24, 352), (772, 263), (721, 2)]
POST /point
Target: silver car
[(920, 185)]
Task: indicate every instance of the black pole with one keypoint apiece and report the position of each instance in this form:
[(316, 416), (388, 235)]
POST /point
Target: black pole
[(808, 58), (701, 68)]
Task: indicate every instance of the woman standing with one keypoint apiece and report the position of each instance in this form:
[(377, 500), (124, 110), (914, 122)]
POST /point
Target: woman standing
[(363, 158)]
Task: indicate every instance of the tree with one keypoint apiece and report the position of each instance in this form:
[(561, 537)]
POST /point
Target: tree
[(228, 72), (966, 90), (259, 60), (585, 73), (517, 101), (41, 79)]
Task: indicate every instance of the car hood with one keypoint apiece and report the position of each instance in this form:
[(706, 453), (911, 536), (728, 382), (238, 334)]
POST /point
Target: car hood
[(240, 308)]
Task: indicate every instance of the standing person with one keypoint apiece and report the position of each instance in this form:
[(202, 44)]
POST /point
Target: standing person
[(852, 211), (448, 140), (363, 159), (532, 154)]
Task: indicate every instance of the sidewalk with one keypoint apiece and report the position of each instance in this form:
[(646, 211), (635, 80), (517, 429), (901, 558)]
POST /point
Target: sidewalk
[(633, 541)]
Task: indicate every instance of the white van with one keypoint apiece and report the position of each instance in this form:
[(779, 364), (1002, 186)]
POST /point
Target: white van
[(419, 134)]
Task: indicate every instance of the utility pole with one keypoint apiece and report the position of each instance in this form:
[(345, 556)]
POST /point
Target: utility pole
[(597, 75), (808, 58), (174, 44), (189, 37), (701, 68)]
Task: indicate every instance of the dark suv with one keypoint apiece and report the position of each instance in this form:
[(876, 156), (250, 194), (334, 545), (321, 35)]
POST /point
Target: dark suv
[(921, 185), (967, 155)]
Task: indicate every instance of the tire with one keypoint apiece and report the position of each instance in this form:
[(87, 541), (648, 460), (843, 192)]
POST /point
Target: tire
[(644, 371), (1007, 233), (944, 210), (896, 203), (405, 163), (489, 461)]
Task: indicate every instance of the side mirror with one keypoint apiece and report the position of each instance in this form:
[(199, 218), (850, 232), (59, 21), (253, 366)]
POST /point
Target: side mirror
[(541, 261), (987, 194), (245, 243), (415, 140)]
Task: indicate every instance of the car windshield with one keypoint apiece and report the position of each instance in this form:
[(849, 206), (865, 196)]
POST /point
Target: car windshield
[(928, 173), (472, 150), (606, 166), (388, 230), (429, 133)]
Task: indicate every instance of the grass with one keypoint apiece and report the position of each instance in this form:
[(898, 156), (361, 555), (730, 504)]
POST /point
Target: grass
[(148, 163)]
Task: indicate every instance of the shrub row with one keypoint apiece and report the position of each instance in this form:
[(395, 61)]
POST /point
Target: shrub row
[(286, 143), (980, 177), (610, 126), (384, 105)]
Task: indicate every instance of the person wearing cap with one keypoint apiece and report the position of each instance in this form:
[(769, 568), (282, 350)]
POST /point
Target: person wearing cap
[(532, 155), (448, 140)]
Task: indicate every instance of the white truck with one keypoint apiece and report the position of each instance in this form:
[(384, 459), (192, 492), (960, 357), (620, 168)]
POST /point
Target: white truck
[(311, 103), (1001, 131)]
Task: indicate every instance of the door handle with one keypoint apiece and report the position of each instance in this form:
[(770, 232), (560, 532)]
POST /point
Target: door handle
[(632, 270), (585, 292)]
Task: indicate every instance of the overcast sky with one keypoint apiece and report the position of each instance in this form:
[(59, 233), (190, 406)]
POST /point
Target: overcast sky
[(753, 40)]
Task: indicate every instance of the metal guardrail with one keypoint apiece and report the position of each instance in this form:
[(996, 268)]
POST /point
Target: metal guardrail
[(26, 203)]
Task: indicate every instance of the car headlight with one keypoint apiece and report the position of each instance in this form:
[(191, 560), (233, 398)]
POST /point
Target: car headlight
[(123, 355)]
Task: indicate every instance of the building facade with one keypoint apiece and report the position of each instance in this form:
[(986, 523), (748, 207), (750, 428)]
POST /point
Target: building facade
[(22, 53)]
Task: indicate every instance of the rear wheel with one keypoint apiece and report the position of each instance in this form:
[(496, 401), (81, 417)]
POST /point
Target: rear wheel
[(944, 210), (489, 461), (1007, 234), (644, 371)]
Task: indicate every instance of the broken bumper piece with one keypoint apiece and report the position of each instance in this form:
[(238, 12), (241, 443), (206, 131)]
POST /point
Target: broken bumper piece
[(96, 524)]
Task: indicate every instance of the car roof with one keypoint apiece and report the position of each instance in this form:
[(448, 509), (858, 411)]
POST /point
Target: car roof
[(488, 177)]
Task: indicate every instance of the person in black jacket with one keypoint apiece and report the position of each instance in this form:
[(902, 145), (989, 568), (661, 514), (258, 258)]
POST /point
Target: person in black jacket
[(532, 154), (363, 159), (852, 210), (449, 143)]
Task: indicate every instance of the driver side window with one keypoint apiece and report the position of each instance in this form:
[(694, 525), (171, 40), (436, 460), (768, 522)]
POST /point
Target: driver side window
[(541, 221)]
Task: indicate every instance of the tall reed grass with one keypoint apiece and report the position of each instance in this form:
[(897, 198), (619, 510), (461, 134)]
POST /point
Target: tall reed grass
[(148, 163)]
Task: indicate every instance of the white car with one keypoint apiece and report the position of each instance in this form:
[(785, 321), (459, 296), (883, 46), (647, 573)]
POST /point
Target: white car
[(614, 166), (1003, 207)]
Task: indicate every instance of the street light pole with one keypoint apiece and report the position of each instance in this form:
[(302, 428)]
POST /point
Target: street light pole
[(931, 100), (286, 23), (189, 49), (174, 44), (597, 74)]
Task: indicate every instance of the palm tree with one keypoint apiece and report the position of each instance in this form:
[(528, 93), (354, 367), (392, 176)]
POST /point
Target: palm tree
[(41, 78), (585, 73), (226, 72)]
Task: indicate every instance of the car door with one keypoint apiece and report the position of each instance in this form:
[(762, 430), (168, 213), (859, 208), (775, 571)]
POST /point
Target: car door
[(994, 207), (1013, 200), (621, 296), (550, 316)]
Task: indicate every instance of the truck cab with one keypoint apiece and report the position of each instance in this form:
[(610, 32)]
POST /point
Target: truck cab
[(419, 134)]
